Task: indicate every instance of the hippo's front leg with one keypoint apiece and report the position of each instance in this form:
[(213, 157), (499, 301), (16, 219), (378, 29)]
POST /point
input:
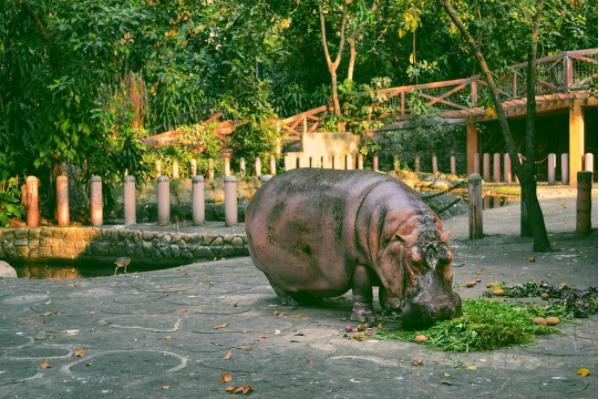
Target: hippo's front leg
[(362, 296)]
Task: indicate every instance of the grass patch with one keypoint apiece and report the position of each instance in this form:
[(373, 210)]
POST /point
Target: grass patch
[(484, 325)]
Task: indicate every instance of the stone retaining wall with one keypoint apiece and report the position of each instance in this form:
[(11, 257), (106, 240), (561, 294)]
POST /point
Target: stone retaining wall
[(105, 244)]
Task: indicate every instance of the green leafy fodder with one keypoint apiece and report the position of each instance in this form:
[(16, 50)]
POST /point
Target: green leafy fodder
[(484, 325)]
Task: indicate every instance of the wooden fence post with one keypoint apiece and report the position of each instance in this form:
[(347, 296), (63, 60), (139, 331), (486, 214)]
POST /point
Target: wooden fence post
[(129, 199), (486, 167), (96, 203), (475, 207), (194, 167), (198, 206), (551, 163), (33, 212), (507, 168), (211, 169), (417, 164), (583, 202), (375, 163), (62, 200), (496, 167), (435, 164), (564, 167), (242, 165), (164, 201), (230, 200), (273, 165), (452, 164)]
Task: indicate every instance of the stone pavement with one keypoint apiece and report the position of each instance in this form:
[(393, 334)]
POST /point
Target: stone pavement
[(166, 334)]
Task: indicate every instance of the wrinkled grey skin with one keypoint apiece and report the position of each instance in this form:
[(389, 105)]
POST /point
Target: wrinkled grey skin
[(318, 233)]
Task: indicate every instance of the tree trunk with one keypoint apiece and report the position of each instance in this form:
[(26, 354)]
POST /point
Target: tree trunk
[(524, 172), (352, 58), (334, 92), (528, 181)]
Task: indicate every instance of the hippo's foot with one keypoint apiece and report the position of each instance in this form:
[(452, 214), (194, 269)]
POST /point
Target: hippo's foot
[(363, 314), (288, 298)]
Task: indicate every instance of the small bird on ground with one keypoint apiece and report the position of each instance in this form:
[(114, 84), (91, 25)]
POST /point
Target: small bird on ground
[(122, 262)]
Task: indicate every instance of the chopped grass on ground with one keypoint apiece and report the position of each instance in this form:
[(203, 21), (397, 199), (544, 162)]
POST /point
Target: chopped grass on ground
[(484, 325)]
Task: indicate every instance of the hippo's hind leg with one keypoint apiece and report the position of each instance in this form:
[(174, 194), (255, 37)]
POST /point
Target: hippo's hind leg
[(362, 295), (288, 298)]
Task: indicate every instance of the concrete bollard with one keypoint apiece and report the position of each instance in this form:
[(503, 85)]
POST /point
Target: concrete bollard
[(496, 167), (507, 169), (62, 200), (360, 162), (349, 161), (486, 167), (96, 204), (396, 164), (164, 201), (194, 167), (211, 169), (273, 165), (230, 200), (564, 167), (588, 162), (227, 165), (583, 202), (475, 207), (258, 166), (33, 211), (452, 164), (417, 164), (551, 164), (198, 206), (476, 165), (242, 166), (175, 170), (434, 163), (129, 200), (375, 163), (158, 168)]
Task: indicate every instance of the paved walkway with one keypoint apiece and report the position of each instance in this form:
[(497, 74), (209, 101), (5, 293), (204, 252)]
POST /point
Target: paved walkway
[(168, 334)]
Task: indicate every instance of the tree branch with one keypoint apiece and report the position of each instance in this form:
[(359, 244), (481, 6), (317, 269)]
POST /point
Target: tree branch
[(488, 76), (38, 22), (323, 35)]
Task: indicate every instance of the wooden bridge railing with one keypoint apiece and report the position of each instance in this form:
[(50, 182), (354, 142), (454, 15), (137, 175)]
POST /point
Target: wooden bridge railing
[(562, 73)]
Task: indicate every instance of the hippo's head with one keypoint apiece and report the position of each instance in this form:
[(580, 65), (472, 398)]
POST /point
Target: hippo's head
[(414, 266)]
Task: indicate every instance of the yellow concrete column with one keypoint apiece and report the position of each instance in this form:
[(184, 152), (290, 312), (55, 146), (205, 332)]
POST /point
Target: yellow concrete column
[(471, 145), (576, 150)]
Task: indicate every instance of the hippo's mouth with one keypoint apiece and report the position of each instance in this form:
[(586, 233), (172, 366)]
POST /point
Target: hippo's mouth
[(423, 315)]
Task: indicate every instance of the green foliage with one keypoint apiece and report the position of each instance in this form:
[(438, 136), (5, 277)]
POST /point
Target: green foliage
[(10, 201), (485, 325)]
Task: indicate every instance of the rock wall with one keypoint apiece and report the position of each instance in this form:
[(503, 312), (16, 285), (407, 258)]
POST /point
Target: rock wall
[(106, 244)]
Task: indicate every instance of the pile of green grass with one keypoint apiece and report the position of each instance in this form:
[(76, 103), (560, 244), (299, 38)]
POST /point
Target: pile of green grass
[(484, 325)]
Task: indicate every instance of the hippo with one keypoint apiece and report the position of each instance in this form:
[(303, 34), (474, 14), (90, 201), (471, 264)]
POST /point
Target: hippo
[(317, 233)]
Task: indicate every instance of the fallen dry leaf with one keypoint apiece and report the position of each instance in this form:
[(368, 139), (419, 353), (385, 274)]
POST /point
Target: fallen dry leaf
[(420, 339), (417, 362), (45, 364), (552, 321), (46, 314), (182, 310), (470, 283), (167, 337), (225, 378), (532, 259), (244, 390), (471, 367), (583, 372), (221, 325), (228, 356), (165, 387), (80, 352), (92, 312)]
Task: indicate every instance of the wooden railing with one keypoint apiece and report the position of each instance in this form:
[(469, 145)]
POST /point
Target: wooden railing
[(562, 73)]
